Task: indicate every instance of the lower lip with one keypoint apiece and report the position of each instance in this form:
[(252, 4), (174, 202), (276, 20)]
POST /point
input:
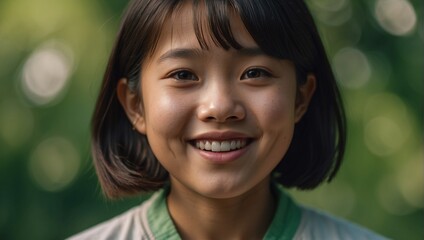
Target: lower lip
[(222, 157)]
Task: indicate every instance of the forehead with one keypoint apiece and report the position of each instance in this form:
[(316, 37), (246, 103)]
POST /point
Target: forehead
[(189, 27)]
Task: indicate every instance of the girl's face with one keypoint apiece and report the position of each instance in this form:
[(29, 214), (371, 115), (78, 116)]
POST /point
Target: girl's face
[(219, 121)]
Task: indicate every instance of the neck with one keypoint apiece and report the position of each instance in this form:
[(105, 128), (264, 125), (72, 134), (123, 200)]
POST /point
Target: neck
[(243, 217)]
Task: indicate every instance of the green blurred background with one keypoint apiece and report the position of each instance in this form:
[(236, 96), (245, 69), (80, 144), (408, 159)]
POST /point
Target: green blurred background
[(52, 58)]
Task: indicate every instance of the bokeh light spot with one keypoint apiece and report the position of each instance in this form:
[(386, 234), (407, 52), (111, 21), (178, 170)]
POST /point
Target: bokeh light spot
[(54, 163), (383, 136), (46, 72), (387, 124), (351, 67), (396, 16)]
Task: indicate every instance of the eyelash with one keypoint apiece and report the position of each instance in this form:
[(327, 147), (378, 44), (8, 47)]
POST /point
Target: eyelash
[(262, 72), (175, 75), (189, 76)]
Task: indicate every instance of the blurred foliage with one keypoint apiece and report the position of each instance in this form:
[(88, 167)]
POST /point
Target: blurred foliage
[(53, 54)]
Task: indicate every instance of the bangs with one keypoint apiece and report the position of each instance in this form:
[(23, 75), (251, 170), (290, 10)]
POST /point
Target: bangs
[(279, 28), (211, 22), (282, 29), (212, 18)]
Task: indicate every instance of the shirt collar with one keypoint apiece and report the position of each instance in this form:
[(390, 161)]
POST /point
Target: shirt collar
[(284, 224)]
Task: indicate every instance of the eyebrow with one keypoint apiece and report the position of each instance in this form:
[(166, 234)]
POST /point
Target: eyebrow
[(179, 53)]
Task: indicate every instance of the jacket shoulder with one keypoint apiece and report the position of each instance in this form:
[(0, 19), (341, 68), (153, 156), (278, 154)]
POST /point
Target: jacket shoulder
[(131, 224), (318, 225)]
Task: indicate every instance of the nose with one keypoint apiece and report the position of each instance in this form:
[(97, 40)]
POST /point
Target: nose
[(220, 104)]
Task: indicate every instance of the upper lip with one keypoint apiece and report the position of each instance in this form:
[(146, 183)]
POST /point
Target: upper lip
[(220, 136)]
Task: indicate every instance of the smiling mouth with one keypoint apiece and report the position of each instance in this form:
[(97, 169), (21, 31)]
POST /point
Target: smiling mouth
[(220, 146)]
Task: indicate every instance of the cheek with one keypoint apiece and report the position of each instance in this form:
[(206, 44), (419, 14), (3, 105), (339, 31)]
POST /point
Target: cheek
[(166, 118), (275, 109), (275, 117), (166, 114)]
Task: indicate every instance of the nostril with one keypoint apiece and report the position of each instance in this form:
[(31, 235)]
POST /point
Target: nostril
[(221, 112), (232, 118)]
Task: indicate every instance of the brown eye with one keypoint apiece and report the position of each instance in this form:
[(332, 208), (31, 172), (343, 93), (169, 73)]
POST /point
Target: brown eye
[(184, 75), (255, 73)]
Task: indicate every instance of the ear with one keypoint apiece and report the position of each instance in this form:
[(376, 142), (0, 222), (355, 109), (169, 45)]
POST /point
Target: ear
[(130, 101), (304, 96)]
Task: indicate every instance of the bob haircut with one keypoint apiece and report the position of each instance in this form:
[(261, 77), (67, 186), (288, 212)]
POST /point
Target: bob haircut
[(123, 159)]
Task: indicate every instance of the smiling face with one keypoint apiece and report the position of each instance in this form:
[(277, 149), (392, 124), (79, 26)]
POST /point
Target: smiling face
[(219, 121)]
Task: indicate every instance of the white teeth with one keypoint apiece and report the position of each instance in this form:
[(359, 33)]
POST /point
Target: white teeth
[(225, 146), (220, 146), (216, 146), (208, 146), (233, 145)]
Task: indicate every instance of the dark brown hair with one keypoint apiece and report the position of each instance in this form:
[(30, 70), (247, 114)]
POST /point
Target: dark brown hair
[(123, 158)]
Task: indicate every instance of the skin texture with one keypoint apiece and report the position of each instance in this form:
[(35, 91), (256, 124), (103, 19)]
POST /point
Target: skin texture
[(189, 92)]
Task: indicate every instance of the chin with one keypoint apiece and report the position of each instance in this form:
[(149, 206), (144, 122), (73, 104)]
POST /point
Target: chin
[(222, 190)]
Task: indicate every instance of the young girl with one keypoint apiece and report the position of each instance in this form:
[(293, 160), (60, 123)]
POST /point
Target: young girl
[(216, 105)]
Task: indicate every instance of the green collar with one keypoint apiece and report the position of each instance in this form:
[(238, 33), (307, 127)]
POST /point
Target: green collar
[(286, 219), (160, 221), (283, 226)]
